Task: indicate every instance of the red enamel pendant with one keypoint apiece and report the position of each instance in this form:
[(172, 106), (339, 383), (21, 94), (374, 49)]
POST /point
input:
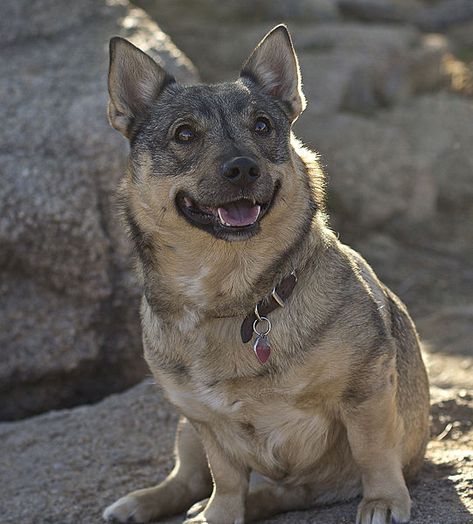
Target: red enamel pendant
[(262, 348)]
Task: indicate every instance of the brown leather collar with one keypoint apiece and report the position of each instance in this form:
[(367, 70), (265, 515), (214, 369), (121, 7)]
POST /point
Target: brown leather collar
[(278, 298)]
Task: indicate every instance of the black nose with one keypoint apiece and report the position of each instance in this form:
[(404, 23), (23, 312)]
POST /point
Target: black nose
[(241, 171)]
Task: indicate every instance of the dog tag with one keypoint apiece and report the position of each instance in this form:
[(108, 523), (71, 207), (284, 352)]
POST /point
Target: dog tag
[(262, 348)]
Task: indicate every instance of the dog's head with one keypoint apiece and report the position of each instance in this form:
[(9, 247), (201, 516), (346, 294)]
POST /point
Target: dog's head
[(212, 160)]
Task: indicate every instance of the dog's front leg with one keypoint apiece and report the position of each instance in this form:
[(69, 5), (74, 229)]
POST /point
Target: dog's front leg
[(227, 502), (375, 432), (188, 482)]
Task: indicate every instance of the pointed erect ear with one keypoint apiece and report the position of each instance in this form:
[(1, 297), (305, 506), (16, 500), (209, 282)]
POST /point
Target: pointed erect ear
[(134, 82), (274, 67)]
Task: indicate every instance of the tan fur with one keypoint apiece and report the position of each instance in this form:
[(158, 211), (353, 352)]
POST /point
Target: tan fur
[(341, 407)]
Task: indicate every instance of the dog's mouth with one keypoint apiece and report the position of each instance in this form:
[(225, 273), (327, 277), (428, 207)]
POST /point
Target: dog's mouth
[(230, 220), (240, 213)]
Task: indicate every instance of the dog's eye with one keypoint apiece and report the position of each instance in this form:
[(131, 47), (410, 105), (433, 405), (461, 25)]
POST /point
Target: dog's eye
[(184, 134), (262, 126)]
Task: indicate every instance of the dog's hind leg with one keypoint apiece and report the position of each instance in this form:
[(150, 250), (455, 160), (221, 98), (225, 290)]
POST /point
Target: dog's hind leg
[(189, 482)]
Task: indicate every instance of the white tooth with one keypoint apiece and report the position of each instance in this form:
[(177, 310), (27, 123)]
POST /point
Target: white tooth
[(222, 221)]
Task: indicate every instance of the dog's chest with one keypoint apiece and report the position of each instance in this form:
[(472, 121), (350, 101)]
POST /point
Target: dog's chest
[(259, 425), (223, 386), (199, 401)]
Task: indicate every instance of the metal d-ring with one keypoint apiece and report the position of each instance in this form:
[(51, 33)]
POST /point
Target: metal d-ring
[(257, 321), (258, 316), (277, 298)]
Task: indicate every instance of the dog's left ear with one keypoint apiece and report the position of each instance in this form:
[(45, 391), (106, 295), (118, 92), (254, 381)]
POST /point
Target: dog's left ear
[(274, 67)]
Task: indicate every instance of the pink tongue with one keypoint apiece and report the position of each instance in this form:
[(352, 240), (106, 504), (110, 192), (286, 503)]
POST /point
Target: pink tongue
[(239, 214)]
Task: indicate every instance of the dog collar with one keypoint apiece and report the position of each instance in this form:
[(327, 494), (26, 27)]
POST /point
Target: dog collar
[(258, 316)]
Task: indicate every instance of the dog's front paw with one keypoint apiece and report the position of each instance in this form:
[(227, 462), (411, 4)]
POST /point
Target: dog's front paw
[(197, 519), (380, 511), (126, 510), (201, 518)]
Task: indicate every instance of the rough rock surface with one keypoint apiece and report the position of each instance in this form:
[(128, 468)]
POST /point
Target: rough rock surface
[(67, 466), (69, 329), (403, 167)]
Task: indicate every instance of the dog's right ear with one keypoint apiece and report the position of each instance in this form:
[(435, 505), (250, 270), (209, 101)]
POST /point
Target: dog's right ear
[(134, 82)]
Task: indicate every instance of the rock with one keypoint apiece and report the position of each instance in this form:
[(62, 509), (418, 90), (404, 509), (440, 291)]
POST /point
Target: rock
[(400, 169), (245, 11), (444, 15), (427, 65), (381, 11), (446, 370), (67, 466), (457, 338), (360, 69), (372, 176), (207, 30), (69, 329), (431, 281), (439, 129), (351, 66), (354, 67), (312, 11), (441, 16), (462, 36), (75, 462)]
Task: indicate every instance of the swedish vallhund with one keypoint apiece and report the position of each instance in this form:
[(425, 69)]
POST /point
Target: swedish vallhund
[(289, 362)]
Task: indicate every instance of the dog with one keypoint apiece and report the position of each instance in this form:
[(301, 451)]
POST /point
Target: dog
[(298, 375)]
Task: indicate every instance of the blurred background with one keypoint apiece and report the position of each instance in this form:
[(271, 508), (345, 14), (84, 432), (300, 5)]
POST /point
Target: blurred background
[(389, 85)]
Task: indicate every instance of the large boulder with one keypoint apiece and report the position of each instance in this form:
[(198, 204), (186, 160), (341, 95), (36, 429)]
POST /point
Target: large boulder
[(405, 170), (69, 328)]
